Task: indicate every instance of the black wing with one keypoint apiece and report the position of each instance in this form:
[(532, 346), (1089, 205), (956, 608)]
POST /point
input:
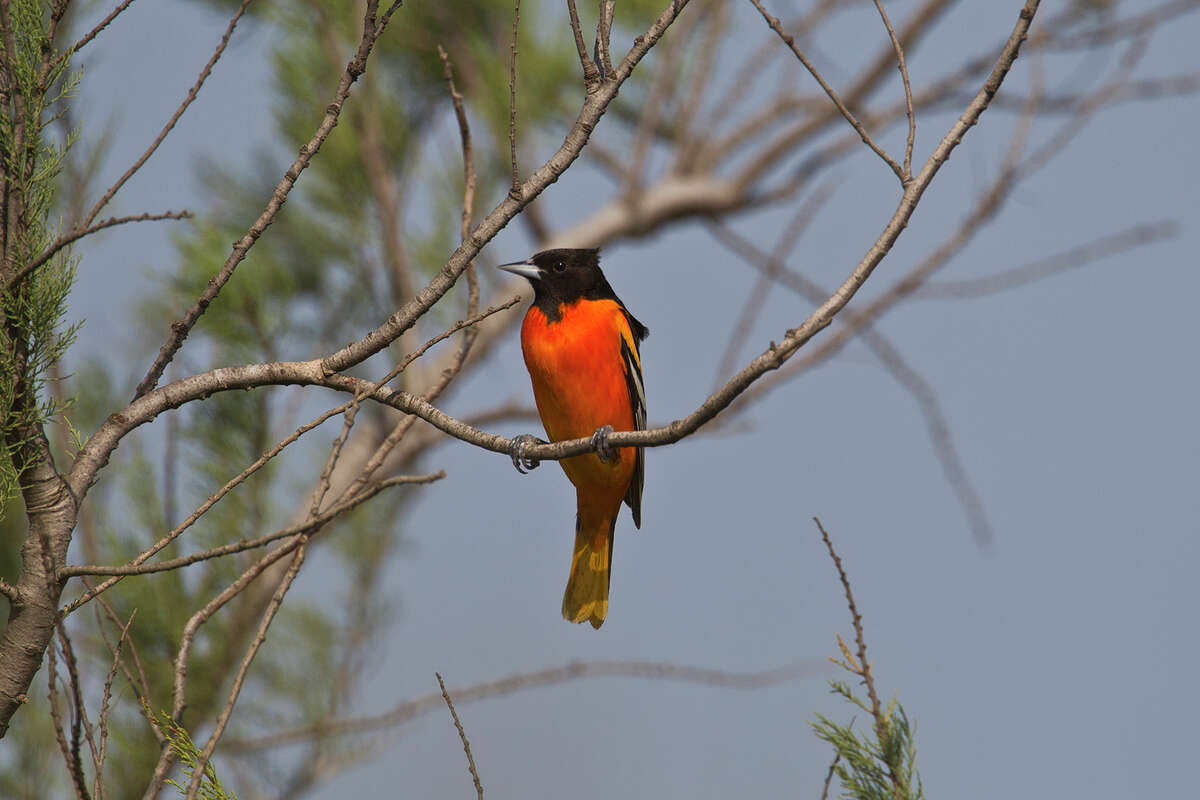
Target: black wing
[(637, 399)]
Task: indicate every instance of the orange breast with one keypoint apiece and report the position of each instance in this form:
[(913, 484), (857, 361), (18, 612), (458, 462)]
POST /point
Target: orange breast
[(579, 384)]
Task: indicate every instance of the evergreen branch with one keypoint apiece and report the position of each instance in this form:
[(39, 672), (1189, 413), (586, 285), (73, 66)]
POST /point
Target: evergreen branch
[(893, 746), (181, 744)]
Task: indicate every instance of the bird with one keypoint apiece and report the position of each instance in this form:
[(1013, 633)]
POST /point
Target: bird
[(581, 347)]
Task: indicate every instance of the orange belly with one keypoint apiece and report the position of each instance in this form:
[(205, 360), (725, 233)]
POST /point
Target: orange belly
[(579, 384)]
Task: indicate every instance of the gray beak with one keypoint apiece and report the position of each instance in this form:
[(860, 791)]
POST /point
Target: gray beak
[(523, 268)]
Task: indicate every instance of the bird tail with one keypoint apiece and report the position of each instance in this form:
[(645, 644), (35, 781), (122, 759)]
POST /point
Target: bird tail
[(586, 598)]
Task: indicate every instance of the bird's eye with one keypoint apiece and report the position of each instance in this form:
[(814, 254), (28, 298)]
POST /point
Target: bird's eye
[(559, 266)]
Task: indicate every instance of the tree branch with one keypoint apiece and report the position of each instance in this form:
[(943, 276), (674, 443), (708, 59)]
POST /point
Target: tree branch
[(411, 709), (74, 235), (355, 68), (187, 101)]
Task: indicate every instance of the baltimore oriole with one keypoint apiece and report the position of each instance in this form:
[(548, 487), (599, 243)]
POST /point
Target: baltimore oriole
[(581, 348)]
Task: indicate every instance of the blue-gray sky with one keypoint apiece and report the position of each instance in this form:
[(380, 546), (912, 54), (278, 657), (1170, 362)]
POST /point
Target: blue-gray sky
[(1054, 663)]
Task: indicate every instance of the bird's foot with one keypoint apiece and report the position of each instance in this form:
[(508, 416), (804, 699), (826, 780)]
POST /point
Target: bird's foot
[(521, 461), (604, 451)]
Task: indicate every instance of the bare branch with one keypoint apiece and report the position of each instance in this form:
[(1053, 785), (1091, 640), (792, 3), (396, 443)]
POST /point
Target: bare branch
[(356, 67), (260, 636), (837, 101), (462, 734), (409, 710), (94, 32), (60, 735), (76, 234), (107, 696), (464, 132), (773, 263), (308, 526), (187, 101), (591, 74), (829, 776), (134, 567), (908, 101), (515, 186)]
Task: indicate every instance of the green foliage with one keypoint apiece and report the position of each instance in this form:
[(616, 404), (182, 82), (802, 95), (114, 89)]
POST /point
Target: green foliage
[(32, 339), (879, 766), (189, 756)]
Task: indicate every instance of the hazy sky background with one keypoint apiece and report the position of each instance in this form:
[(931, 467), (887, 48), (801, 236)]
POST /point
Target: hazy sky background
[(1057, 663)]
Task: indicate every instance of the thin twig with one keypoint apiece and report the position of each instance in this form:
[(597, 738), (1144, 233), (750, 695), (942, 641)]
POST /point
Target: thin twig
[(462, 734), (372, 28), (891, 359), (56, 720), (515, 187), (239, 679), (908, 101), (94, 32), (107, 696), (773, 264), (141, 686), (591, 73), (182, 656), (464, 132), (187, 101), (78, 717), (829, 775), (330, 514), (863, 667), (790, 41), (76, 234)]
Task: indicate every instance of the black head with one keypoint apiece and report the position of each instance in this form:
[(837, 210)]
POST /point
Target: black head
[(564, 276)]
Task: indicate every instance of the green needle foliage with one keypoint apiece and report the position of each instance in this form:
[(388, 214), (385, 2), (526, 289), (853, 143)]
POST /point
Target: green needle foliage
[(879, 766), (32, 336), (189, 756)]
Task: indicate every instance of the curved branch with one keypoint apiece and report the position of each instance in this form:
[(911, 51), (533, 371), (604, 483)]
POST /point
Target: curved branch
[(411, 709), (75, 234)]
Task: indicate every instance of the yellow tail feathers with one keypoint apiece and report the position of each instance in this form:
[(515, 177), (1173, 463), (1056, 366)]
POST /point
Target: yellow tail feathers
[(586, 598)]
